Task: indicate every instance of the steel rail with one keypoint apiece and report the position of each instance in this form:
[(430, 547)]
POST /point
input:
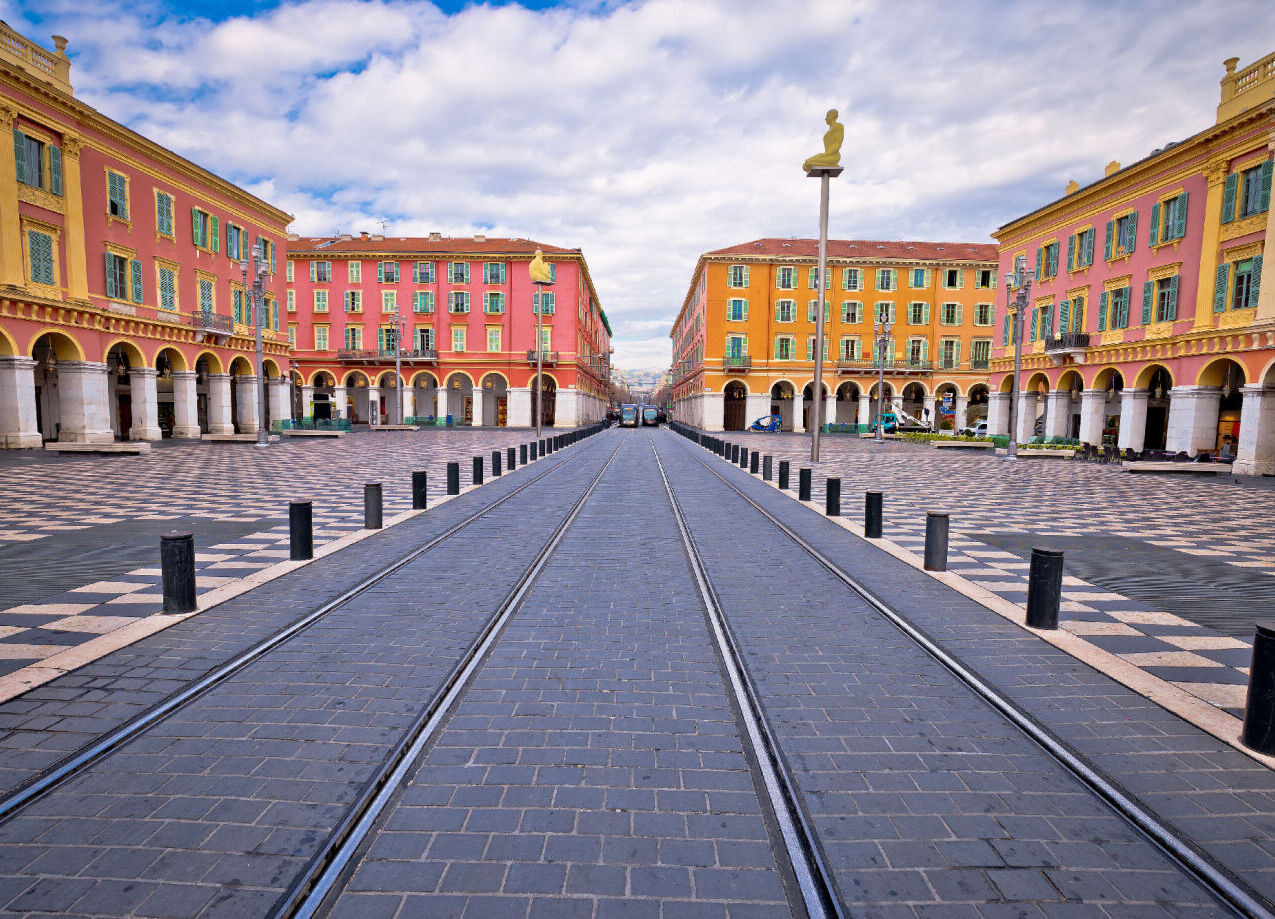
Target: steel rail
[(85, 757), (306, 896), (1232, 890), (816, 881)]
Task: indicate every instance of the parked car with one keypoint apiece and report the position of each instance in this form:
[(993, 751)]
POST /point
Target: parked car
[(978, 429)]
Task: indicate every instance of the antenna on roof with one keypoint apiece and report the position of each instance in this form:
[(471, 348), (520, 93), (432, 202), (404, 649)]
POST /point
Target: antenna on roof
[(385, 226)]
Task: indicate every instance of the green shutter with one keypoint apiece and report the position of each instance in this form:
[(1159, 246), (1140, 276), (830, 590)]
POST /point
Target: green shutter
[(1148, 294), (20, 154), (1064, 316), (135, 269), (110, 278), (776, 347), (314, 274), (956, 353), (1089, 237), (1171, 312), (1071, 252), (1219, 290), (1228, 197), (1264, 193), (1102, 311), (745, 309), (1255, 282), (960, 314), (1005, 332), (216, 234), (1179, 220), (1038, 254), (196, 232), (1132, 242), (1035, 322), (1155, 225), (534, 298), (1111, 229), (1053, 259), (925, 314), (55, 170)]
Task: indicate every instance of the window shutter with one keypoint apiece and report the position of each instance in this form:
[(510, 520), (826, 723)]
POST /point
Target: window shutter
[(380, 272), (20, 154), (1064, 316), (110, 278), (55, 169), (135, 269), (1038, 253), (925, 314), (1255, 282), (1228, 197), (195, 234), (960, 314), (1005, 332), (745, 309), (273, 253), (1155, 225), (1053, 262), (1089, 247), (1071, 252), (1035, 321), (1179, 220), (1264, 193), (1171, 312), (776, 348), (215, 233), (1148, 294), (956, 353), (1111, 229), (1102, 311), (1132, 242), (1219, 289), (314, 271), (925, 350), (745, 276)]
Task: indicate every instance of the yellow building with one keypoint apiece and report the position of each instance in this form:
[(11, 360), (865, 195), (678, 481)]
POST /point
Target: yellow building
[(743, 343)]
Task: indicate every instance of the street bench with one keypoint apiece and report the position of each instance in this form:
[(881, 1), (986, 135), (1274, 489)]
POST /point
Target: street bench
[(330, 433), (250, 438), (963, 444), (1030, 453), (1180, 468), (123, 446), (393, 427)]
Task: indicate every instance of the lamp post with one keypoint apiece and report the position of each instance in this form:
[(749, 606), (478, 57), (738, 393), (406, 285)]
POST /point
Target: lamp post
[(397, 415), (823, 173), (256, 291), (1016, 278), (881, 338)]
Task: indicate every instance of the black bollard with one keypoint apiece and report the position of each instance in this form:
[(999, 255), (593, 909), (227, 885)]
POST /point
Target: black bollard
[(543, 449), (1259, 709), (935, 541), (743, 457), (832, 502), (419, 498), (533, 450), (177, 564), (495, 463), (766, 469), (752, 462), (453, 478), (803, 484), (734, 453), (1044, 588), (511, 459), (300, 530), (372, 505), (522, 454), (783, 475), (872, 501), (478, 470)]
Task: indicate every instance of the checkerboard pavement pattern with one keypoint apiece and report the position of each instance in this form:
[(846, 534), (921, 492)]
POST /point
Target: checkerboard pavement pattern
[(236, 486), (1039, 500)]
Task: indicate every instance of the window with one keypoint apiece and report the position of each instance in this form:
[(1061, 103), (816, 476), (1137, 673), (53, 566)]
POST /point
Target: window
[(951, 314), (1247, 192), (545, 299), (493, 273), (983, 279), (237, 242), (458, 301), (423, 301), (785, 311), (785, 345), (810, 347), (354, 301), (123, 278), (320, 338), (918, 314), (1077, 314), (493, 339), (737, 276), (954, 278), (920, 279), (1168, 220), (422, 272), (29, 158), (292, 301), (1047, 261), (812, 278), (167, 288), (980, 353), (289, 272), (884, 311), (851, 279), (950, 353), (983, 314), (1246, 281), (320, 301), (321, 272), (786, 279), (546, 335), (917, 349), (386, 340), (389, 301), (264, 246), (1166, 299), (387, 272), (1113, 309), (1122, 235), (354, 272), (116, 195), (204, 230), (885, 279), (353, 338), (736, 346), (494, 301), (1080, 250), (458, 272), (424, 339), (810, 311), (850, 349), (851, 311), (458, 338), (164, 214), (237, 305), (40, 252), (736, 310), (292, 336), (206, 305)]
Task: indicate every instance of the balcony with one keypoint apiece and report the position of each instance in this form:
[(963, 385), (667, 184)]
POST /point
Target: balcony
[(1071, 343), (889, 367), (546, 357), (981, 364), (422, 355), (51, 68), (741, 362), (208, 321)]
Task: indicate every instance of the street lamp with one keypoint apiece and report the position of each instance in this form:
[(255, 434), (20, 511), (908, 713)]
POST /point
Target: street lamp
[(1020, 279), (258, 299), (397, 415), (822, 166), (881, 339)]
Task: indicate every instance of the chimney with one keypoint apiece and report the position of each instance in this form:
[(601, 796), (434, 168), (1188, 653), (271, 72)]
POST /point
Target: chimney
[(346, 236), (1112, 167), (1072, 187), (435, 236), (376, 237), (480, 237), (363, 234)]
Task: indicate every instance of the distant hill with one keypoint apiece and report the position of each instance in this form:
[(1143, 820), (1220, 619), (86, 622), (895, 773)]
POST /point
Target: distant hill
[(643, 378)]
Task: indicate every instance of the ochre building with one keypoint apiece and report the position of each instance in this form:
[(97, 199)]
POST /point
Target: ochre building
[(1150, 322), (122, 308), (461, 313), (743, 343)]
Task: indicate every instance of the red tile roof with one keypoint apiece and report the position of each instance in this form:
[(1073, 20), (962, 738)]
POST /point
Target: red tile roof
[(864, 249), (418, 244)]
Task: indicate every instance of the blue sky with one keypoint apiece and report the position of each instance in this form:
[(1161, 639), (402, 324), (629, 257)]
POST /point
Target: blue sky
[(648, 132)]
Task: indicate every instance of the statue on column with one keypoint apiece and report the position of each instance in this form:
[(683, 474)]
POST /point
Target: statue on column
[(540, 271), (832, 138)]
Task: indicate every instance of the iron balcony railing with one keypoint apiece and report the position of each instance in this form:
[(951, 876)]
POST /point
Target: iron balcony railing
[(737, 361), (983, 364), (889, 366), (1067, 342), (212, 322), (546, 357), (387, 354)]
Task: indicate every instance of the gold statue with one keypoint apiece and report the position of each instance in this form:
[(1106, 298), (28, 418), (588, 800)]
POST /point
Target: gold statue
[(539, 270), (832, 138)]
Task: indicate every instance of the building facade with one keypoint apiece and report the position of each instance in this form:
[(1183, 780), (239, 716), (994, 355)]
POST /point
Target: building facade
[(743, 342), (467, 313), (122, 314), (1151, 316)]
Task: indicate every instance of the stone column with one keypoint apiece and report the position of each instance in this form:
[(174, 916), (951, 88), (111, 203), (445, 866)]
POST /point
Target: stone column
[(185, 404), (1093, 410), (17, 404), (219, 420), (246, 397), (756, 405), (12, 268), (1026, 416), (1133, 419), (73, 248), (1058, 413), (307, 401), (277, 390), (798, 413), (82, 400), (960, 411), (567, 411), (713, 409), (145, 403), (373, 405), (998, 414), (520, 407), (480, 404), (930, 403), (1256, 452), (339, 408), (1193, 413), (865, 410), (409, 403)]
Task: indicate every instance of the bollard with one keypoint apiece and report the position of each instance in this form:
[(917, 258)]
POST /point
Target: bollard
[(478, 470), (177, 565), (752, 462), (803, 484), (832, 498), (734, 453), (522, 455), (743, 457), (783, 475), (495, 463), (1259, 709), (453, 478), (935, 541), (372, 505), (300, 530), (872, 501), (543, 450), (419, 499), (766, 468), (511, 459), (1044, 588), (533, 450)]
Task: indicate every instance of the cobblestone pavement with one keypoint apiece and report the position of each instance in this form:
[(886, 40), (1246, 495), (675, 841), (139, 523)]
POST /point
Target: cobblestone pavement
[(1169, 573), (79, 535), (595, 766)]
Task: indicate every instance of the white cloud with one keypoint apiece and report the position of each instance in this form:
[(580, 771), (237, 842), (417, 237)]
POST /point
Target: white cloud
[(648, 132)]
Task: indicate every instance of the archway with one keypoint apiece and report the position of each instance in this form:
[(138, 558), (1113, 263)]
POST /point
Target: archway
[(495, 396), (460, 398), (1228, 376), (781, 399), (324, 396), (122, 359), (167, 361), (1110, 382), (734, 406), (241, 395), (976, 405), (885, 402), (808, 403), (425, 395), (1072, 384), (48, 350), (358, 405), (548, 396), (914, 402), (389, 399), (1158, 384), (946, 396), (847, 410)]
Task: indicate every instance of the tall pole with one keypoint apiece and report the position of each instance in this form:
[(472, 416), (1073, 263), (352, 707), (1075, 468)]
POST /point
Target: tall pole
[(1018, 277), (398, 367), (539, 303), (882, 330), (817, 408)]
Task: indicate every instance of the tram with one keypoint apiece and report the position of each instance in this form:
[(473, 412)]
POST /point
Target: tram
[(629, 416)]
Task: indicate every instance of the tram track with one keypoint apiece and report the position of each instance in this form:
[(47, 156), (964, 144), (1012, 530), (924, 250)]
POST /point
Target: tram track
[(88, 755), (1223, 883)]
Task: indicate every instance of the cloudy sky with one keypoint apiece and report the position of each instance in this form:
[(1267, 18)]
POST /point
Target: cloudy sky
[(648, 132)]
